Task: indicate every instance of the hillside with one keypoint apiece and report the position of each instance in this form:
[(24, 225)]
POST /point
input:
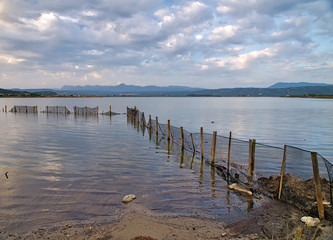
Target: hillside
[(266, 92), (298, 84)]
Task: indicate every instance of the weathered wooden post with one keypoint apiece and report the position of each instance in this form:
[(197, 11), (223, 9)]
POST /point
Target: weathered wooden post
[(213, 147), (229, 153), (97, 111), (182, 137), (193, 144), (156, 127), (168, 129), (36, 111), (26, 109), (316, 177), (282, 170), (86, 108), (252, 144), (5, 108), (111, 112), (202, 142), (57, 109), (143, 119), (149, 123)]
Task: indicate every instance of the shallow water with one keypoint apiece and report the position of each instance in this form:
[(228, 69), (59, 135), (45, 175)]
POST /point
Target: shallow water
[(63, 168)]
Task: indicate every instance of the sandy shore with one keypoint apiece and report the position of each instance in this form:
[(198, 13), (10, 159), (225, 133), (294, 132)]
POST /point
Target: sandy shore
[(273, 220)]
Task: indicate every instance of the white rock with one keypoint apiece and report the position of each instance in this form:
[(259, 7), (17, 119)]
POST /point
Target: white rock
[(239, 188), (310, 221), (128, 198)]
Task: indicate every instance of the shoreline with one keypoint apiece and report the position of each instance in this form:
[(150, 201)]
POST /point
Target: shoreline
[(272, 220)]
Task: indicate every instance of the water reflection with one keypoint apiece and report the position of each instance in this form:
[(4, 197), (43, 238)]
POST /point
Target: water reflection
[(76, 168)]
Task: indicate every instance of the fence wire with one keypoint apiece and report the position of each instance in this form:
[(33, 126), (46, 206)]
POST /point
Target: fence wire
[(297, 173), (24, 109), (56, 109), (85, 110)]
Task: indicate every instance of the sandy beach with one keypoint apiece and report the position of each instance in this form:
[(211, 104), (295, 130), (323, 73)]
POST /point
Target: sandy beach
[(273, 220)]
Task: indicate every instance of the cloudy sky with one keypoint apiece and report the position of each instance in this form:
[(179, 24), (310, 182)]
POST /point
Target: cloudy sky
[(210, 44)]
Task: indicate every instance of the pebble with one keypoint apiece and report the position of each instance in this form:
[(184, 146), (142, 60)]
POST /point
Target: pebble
[(310, 221), (128, 198)]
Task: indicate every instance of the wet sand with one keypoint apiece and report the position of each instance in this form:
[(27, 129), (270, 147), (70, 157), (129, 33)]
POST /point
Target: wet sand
[(273, 220)]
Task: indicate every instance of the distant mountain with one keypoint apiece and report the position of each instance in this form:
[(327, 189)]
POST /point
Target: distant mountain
[(266, 92), (298, 84), (21, 93), (124, 89)]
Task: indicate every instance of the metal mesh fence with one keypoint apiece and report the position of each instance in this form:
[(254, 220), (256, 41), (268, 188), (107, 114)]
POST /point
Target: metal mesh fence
[(298, 172), (56, 109), (85, 110), (24, 109)]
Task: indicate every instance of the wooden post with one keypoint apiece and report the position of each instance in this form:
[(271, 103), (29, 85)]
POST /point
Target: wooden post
[(57, 109), (213, 146), (193, 144), (252, 144), (26, 109), (97, 111), (36, 111), (229, 152), (86, 110), (149, 123), (202, 142), (156, 126), (111, 114), (316, 176), (282, 170), (182, 137), (47, 109), (5, 108), (168, 129), (143, 119)]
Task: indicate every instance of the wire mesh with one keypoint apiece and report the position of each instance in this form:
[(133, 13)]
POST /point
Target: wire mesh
[(264, 157), (86, 110), (24, 109), (298, 171), (57, 109)]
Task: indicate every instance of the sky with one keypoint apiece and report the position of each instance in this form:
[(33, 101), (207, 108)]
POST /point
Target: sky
[(208, 44)]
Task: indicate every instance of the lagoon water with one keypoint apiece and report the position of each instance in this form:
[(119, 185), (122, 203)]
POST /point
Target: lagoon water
[(63, 168)]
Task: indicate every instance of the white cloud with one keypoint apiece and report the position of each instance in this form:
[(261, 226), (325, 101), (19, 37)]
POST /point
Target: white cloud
[(221, 34), (158, 42)]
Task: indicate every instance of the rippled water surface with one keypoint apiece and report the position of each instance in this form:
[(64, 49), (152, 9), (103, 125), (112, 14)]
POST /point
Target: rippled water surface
[(64, 168)]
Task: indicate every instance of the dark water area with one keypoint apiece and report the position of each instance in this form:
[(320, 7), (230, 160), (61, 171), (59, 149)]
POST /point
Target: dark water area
[(64, 168)]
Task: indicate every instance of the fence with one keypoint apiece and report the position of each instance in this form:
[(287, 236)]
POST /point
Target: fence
[(57, 110), (290, 174), (23, 109)]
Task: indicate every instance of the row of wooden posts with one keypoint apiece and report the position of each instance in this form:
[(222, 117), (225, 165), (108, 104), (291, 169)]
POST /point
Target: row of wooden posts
[(5, 109), (134, 114)]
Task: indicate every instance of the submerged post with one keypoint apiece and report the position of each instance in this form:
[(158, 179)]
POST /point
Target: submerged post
[(282, 170), (149, 123), (182, 137), (201, 141), (156, 126), (229, 149), (168, 129), (252, 144), (316, 177), (193, 144), (213, 147), (143, 119)]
